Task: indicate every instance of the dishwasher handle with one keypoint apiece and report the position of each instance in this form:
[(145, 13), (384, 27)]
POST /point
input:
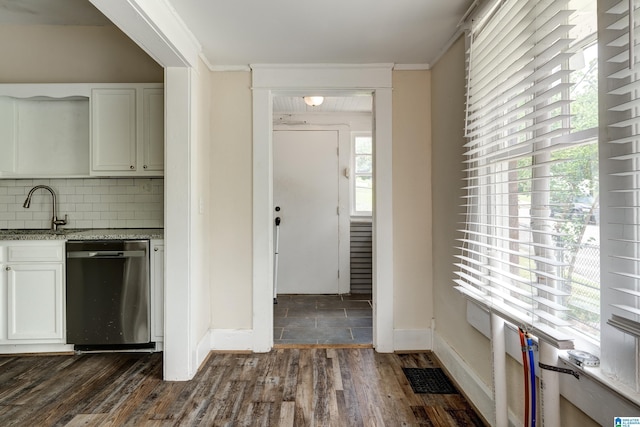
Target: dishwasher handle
[(105, 254)]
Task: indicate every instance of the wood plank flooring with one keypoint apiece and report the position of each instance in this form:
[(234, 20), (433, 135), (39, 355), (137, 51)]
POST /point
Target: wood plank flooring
[(285, 387)]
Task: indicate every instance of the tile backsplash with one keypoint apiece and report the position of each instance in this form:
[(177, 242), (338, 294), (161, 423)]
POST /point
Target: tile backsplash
[(89, 203)]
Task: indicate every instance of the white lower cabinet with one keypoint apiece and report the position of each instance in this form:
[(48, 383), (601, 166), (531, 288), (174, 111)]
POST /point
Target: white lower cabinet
[(35, 302), (157, 290), (32, 294)]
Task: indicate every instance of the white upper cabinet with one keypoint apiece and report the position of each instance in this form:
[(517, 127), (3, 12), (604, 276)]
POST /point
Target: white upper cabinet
[(153, 130), (44, 137), (127, 131), (113, 130), (81, 130)]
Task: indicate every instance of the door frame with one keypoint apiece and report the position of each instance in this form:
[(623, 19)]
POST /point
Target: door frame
[(330, 79), (344, 236)]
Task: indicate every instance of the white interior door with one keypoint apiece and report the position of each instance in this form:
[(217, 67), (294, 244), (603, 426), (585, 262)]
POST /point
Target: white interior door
[(305, 187)]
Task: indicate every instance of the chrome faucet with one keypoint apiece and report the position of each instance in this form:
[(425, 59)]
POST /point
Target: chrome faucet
[(55, 222)]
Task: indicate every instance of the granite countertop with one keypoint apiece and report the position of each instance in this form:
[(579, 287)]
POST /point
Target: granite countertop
[(83, 234)]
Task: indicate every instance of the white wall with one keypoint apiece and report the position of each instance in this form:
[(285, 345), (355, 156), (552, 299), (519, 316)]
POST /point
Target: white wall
[(201, 212)]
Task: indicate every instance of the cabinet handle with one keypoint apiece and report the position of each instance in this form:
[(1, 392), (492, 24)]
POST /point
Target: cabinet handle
[(155, 249), (8, 268), (145, 166), (131, 167)]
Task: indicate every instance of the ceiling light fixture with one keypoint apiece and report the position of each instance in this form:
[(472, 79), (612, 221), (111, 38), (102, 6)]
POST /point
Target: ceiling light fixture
[(313, 101)]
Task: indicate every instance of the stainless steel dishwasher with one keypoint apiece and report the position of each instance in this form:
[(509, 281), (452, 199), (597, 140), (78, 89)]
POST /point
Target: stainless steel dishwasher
[(108, 294)]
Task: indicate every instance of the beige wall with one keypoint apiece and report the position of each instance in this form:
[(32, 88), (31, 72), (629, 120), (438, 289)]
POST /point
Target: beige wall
[(231, 196), (73, 54), (448, 97), (231, 200), (413, 300)]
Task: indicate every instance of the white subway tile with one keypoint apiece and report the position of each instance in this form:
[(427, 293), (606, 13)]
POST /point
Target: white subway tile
[(16, 191), (100, 202), (100, 190), (142, 215), (84, 190), (7, 199), (92, 198), (126, 215), (108, 215), (125, 198)]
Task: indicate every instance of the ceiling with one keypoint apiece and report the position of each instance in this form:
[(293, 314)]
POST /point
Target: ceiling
[(331, 104), (241, 32), (236, 33)]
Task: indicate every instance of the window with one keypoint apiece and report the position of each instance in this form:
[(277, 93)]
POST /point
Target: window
[(363, 174), (620, 187), (532, 191)]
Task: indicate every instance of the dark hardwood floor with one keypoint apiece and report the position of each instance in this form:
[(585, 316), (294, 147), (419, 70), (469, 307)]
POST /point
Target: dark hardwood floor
[(285, 387)]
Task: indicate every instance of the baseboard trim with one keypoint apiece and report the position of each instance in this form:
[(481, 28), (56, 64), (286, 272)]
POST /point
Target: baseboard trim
[(477, 392), (231, 339), (202, 349), (412, 339)]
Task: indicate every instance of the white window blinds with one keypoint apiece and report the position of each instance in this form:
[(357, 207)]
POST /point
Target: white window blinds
[(621, 153), (517, 112)]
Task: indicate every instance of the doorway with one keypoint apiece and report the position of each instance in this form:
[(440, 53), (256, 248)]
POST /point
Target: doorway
[(311, 195), (271, 80), (314, 184)]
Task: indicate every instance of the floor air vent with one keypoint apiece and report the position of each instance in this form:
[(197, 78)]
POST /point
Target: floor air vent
[(429, 380)]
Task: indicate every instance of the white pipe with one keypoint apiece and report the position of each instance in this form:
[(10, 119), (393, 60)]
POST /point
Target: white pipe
[(275, 266), (549, 385), (498, 354)]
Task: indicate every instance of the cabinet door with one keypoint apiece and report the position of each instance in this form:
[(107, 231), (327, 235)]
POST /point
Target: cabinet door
[(113, 130), (153, 129), (157, 290), (3, 300), (35, 303), (7, 136)]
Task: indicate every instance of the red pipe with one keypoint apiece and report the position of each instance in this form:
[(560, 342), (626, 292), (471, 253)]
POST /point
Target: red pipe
[(525, 365)]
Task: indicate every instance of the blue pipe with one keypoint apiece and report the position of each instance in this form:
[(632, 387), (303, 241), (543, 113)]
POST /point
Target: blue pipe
[(532, 371)]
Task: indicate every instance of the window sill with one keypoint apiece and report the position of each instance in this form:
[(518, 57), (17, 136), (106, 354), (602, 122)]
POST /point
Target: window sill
[(597, 394)]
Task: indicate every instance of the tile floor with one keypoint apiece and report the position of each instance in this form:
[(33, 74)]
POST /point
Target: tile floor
[(323, 319)]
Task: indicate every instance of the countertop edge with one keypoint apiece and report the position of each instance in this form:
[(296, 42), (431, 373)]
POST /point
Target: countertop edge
[(84, 234)]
